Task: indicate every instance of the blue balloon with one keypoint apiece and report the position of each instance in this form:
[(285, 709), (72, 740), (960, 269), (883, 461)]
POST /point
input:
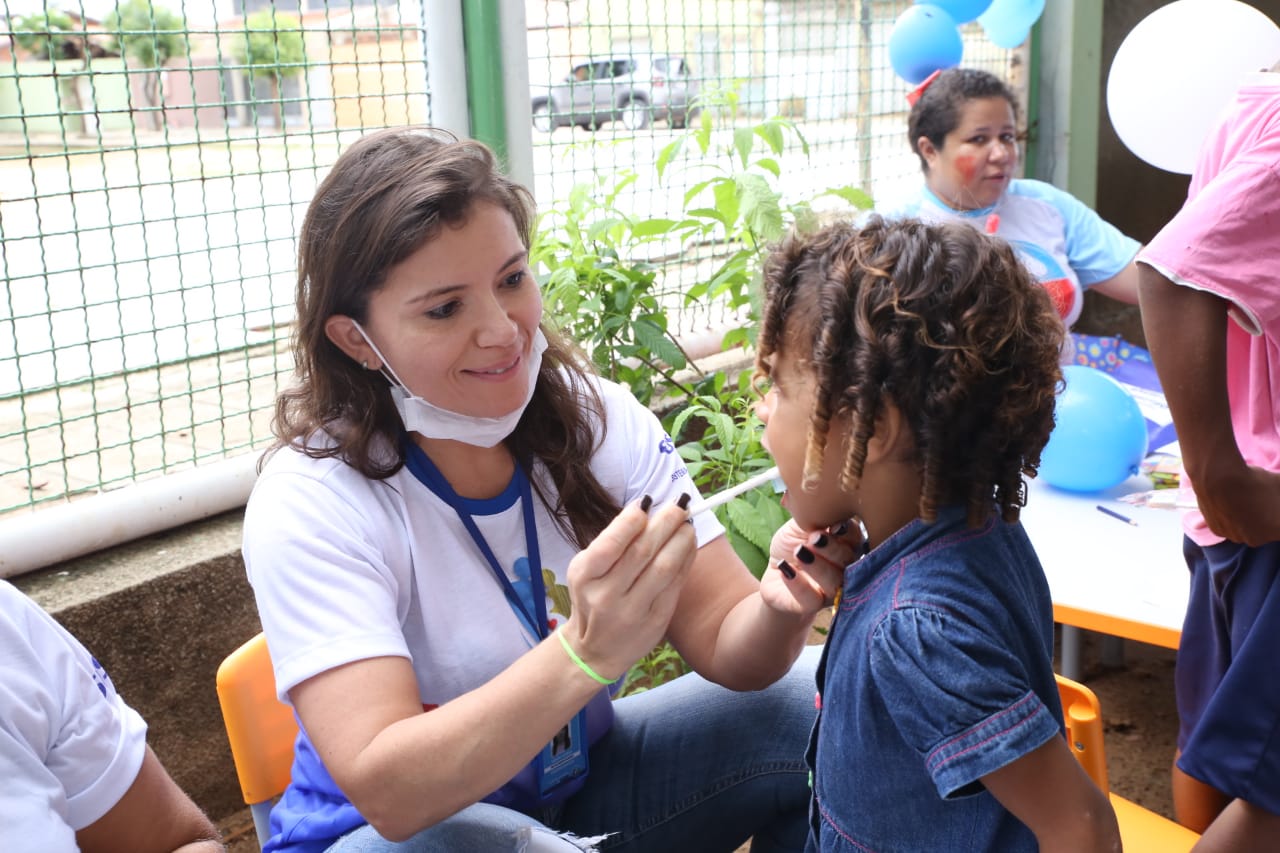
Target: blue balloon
[(1100, 435), (924, 39), (1008, 22), (1008, 39), (962, 11)]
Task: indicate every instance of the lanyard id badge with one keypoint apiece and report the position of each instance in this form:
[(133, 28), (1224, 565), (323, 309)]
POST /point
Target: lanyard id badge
[(565, 757)]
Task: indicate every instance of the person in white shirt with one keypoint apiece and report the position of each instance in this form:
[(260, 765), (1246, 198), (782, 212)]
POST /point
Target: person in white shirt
[(76, 772)]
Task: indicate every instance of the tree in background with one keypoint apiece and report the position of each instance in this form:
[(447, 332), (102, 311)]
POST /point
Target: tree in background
[(54, 36), (50, 36), (273, 48), (150, 35)]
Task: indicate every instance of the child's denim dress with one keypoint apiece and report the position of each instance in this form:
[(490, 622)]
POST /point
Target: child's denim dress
[(937, 671)]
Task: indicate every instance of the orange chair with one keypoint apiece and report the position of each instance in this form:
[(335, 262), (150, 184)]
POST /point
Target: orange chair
[(261, 729), (1141, 830)]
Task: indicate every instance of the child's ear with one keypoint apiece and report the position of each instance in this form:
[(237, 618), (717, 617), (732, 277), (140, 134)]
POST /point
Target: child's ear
[(892, 437)]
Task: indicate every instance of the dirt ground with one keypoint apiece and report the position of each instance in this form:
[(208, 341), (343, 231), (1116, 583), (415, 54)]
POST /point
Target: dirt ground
[(1136, 693)]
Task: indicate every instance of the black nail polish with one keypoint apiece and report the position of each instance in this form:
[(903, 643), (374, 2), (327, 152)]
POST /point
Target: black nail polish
[(787, 572), (841, 530), (683, 500), (645, 503), (804, 555), (821, 541)]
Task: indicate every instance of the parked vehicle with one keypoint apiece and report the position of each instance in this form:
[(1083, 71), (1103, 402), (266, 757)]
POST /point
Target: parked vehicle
[(633, 89)]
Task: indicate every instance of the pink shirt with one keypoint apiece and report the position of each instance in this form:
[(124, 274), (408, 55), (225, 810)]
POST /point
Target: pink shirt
[(1226, 240)]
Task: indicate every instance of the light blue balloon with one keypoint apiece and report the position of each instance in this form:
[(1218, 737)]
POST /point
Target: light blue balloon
[(1008, 38), (1100, 435), (962, 11), (1008, 22), (924, 39)]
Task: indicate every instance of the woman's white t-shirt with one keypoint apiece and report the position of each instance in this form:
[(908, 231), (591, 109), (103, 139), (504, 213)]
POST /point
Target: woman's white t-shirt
[(70, 748), (347, 568)]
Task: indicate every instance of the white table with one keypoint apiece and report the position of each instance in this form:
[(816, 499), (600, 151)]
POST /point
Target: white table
[(1106, 575)]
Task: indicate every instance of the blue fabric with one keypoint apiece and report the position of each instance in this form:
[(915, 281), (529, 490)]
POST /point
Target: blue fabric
[(314, 812), (686, 766), (1097, 250), (938, 670), (1226, 681)]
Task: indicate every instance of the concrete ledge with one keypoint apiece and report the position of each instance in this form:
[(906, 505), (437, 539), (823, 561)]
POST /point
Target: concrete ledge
[(161, 613)]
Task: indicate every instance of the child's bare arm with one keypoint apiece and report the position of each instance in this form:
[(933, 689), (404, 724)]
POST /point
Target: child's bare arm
[(1186, 330), (1049, 791)]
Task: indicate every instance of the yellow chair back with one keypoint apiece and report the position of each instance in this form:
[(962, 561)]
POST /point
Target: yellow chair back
[(261, 729)]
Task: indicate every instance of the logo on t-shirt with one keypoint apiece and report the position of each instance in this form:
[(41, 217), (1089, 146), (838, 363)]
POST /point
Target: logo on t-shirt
[(1052, 277), (666, 445), (101, 680)]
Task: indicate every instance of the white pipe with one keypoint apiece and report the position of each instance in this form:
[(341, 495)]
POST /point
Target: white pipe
[(517, 107), (51, 535), (446, 59)]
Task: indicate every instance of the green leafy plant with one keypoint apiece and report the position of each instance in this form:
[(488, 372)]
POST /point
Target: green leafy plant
[(726, 451), (658, 667), (604, 272), (733, 200), (604, 291)]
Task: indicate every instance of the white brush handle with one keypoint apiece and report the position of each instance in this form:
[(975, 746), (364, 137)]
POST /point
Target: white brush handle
[(726, 495)]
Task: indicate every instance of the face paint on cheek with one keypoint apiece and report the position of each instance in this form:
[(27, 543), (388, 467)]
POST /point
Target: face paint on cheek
[(966, 165)]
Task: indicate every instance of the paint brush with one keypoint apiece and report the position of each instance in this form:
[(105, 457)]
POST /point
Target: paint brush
[(747, 485)]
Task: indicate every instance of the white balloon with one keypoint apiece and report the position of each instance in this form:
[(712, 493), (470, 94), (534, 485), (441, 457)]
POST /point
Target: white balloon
[(1177, 70)]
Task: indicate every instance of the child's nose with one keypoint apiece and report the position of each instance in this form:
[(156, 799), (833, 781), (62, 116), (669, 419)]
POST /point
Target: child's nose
[(761, 408)]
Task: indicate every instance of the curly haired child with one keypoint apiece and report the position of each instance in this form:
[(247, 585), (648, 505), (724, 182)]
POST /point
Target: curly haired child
[(913, 369)]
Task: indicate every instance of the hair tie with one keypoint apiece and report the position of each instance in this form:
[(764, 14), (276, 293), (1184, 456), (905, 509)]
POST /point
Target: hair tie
[(914, 94), (582, 665)]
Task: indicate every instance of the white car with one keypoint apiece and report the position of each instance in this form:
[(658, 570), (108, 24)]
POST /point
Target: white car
[(634, 89)]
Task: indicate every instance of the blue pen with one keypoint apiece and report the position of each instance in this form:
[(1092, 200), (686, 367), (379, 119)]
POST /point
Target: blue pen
[(1114, 514)]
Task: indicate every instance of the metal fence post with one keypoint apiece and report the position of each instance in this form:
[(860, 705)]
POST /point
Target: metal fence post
[(482, 35)]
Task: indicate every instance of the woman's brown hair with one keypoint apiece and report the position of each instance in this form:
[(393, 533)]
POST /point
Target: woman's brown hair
[(387, 195), (940, 320)]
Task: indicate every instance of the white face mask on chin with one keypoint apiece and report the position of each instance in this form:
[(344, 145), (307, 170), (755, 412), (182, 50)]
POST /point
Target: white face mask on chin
[(434, 422)]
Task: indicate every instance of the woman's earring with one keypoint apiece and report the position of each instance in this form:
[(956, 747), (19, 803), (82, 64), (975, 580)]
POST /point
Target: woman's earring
[(365, 364)]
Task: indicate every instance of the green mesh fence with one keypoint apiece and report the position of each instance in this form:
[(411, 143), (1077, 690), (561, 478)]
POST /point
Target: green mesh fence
[(156, 159), (155, 163), (613, 83)]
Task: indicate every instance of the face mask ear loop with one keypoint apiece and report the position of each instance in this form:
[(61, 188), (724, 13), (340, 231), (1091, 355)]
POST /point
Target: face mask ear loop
[(385, 368)]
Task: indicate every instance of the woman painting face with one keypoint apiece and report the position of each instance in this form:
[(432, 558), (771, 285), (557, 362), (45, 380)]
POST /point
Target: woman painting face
[(977, 159)]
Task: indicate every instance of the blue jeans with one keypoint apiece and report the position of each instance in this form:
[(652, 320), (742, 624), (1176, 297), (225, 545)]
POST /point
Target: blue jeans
[(689, 766)]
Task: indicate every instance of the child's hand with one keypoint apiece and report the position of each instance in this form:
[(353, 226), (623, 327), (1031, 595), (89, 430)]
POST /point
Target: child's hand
[(806, 567)]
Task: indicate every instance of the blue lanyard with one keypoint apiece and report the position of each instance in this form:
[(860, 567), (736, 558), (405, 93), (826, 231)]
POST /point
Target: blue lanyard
[(532, 613)]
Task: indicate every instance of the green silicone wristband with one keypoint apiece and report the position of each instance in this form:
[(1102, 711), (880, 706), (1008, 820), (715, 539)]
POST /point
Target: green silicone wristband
[(582, 665)]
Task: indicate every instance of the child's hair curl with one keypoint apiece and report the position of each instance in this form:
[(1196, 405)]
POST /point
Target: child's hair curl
[(940, 320)]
